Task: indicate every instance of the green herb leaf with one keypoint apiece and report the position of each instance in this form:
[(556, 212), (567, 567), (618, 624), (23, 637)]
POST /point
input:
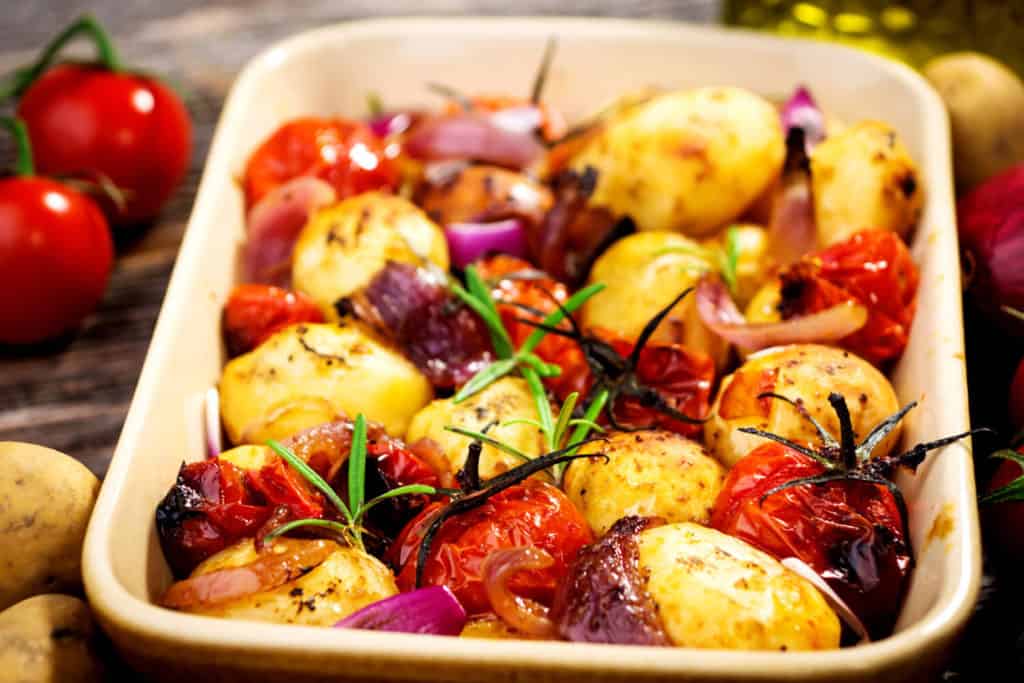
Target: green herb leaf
[(522, 421), (587, 423), (311, 476), (407, 490), (499, 335), (553, 319), (343, 529), (374, 103), (479, 381), (583, 427), (564, 416), (357, 467), (490, 441), (1012, 492), (540, 400), (731, 258)]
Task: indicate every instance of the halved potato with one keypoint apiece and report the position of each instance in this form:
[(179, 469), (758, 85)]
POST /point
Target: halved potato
[(647, 473), (343, 246), (309, 374), (714, 591)]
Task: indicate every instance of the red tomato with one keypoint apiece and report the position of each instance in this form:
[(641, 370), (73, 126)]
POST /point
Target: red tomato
[(871, 267), (254, 312), (344, 153), (89, 121), (55, 258), (532, 514), (1005, 521), (850, 532), (1017, 398)]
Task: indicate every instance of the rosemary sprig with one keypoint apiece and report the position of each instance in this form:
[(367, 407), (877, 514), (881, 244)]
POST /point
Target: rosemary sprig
[(725, 261), (354, 514)]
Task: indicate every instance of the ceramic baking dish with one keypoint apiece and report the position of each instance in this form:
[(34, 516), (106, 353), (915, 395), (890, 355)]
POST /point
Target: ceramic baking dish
[(330, 71)]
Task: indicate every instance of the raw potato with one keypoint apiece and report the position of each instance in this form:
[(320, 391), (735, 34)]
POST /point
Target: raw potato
[(309, 374), (687, 161), (864, 179), (806, 372), (646, 473), (715, 591), (46, 499), (986, 113), (643, 273), (343, 246), (346, 581), (507, 399), (49, 639)]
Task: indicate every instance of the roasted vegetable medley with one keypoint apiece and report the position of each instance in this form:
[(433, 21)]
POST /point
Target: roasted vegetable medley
[(625, 382)]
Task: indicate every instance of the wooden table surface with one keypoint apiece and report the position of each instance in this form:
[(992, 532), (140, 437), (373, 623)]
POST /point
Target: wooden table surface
[(73, 395)]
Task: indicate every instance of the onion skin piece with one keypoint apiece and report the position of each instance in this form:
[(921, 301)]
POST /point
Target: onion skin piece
[(801, 111), (602, 599), (280, 563), (467, 136), (469, 241), (522, 614), (433, 610), (720, 314)]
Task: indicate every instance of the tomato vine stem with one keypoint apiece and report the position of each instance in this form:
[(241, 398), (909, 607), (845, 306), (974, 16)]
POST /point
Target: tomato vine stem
[(23, 165)]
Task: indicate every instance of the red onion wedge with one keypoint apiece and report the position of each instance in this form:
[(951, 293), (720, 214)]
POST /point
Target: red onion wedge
[(842, 610), (719, 313), (792, 231), (469, 136), (391, 123), (522, 614), (524, 119), (433, 610), (274, 224), (211, 423), (801, 111), (469, 241)]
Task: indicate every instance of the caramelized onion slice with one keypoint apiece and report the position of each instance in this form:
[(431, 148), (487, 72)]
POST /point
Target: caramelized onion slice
[(285, 561), (720, 314), (468, 136), (804, 571), (522, 614)]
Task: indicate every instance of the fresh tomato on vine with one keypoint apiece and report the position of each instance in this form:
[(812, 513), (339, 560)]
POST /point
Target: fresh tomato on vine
[(254, 312), (346, 154), (872, 267), (834, 508), (103, 123), (55, 252)]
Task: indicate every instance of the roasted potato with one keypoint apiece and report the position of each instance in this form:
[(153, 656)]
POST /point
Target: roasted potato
[(347, 580), (343, 246), (715, 591), (643, 273), (801, 372), (687, 161), (985, 100), (49, 639), (647, 473), (46, 499), (507, 399), (864, 179), (309, 374)]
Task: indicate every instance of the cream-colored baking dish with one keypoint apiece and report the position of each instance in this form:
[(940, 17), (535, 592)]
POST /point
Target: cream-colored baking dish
[(330, 71)]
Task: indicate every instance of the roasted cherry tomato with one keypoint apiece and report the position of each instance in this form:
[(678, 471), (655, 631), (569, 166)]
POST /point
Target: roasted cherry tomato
[(871, 267), (254, 312), (102, 122), (848, 531), (344, 153), (55, 253), (531, 514)]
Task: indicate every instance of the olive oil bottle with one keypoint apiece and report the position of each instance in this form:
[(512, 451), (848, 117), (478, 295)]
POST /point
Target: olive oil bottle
[(912, 30)]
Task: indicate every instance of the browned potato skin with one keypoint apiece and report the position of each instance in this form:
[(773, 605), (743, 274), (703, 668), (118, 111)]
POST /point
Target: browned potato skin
[(480, 193), (49, 639), (714, 591), (806, 372), (863, 178), (46, 499), (651, 473)]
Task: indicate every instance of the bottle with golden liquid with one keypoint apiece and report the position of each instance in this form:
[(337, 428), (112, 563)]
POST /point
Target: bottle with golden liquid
[(913, 30)]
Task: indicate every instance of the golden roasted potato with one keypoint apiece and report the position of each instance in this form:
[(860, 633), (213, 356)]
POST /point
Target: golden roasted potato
[(752, 263), (347, 580), (985, 100), (647, 473), (507, 399), (715, 591), (687, 161), (46, 499), (49, 639), (864, 179), (804, 372), (643, 273), (309, 374), (343, 246)]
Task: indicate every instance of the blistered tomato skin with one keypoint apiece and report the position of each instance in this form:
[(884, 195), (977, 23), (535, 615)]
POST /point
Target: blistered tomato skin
[(55, 259), (90, 121), (529, 514), (254, 312)]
